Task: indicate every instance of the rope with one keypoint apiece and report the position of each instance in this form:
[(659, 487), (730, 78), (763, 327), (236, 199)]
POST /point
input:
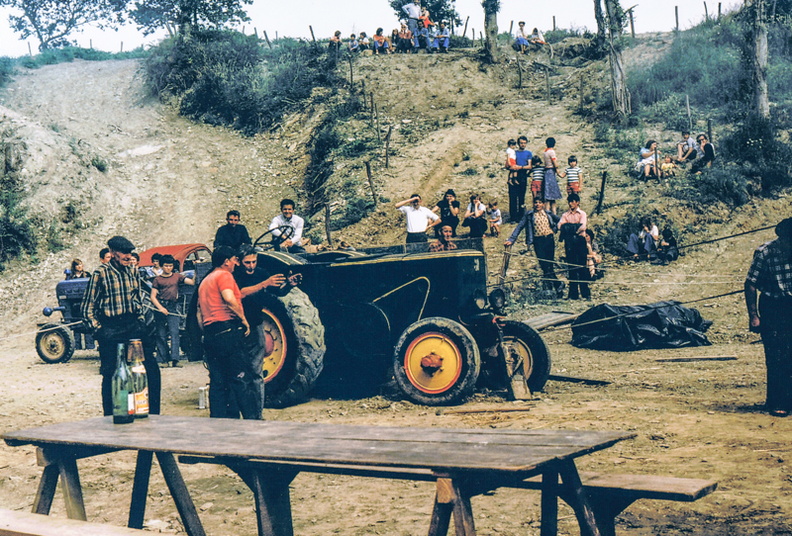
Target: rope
[(570, 326)]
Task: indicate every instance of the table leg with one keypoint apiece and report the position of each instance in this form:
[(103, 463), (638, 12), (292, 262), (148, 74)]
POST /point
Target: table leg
[(72, 491), (273, 502), (452, 497), (180, 494), (549, 500), (46, 490), (137, 507), (577, 499)]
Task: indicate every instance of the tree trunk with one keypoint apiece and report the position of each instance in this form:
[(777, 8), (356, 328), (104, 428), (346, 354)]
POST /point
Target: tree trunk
[(599, 16), (619, 93), (491, 8), (760, 53)]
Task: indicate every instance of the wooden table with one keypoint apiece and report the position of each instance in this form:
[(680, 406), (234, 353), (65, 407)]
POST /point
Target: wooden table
[(269, 454)]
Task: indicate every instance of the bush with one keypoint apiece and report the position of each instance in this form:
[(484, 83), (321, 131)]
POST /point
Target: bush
[(6, 70), (226, 78), (759, 153), (17, 230)]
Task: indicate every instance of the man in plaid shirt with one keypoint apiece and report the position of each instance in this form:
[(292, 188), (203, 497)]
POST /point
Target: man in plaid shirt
[(113, 307), (771, 274)]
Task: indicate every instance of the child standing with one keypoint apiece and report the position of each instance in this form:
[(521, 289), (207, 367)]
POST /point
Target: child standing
[(495, 219), (165, 297), (551, 191), (574, 176), (537, 177)]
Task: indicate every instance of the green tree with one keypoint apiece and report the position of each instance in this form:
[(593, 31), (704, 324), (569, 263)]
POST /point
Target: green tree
[(53, 21), (438, 10), (184, 16)]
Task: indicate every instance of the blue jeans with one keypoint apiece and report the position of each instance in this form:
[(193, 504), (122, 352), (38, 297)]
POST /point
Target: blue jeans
[(168, 327)]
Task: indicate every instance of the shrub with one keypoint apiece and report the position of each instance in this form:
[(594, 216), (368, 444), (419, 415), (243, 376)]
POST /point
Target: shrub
[(759, 153), (6, 70)]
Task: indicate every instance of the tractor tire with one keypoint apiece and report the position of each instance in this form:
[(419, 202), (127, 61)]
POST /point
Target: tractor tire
[(296, 344), (436, 362), (55, 343), (526, 348)]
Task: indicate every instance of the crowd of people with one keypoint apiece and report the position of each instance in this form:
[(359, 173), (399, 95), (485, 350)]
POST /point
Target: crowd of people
[(699, 153), (415, 32)]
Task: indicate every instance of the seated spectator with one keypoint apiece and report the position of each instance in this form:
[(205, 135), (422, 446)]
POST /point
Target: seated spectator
[(345, 246), (431, 45), (537, 38), (381, 45), (495, 219), (686, 148), (335, 42), (476, 217), (667, 168), (706, 154), (644, 244), (521, 38), (393, 40), (363, 42), (76, 271), (404, 45), (649, 159), (448, 208), (442, 38), (667, 250), (443, 242), (353, 45)]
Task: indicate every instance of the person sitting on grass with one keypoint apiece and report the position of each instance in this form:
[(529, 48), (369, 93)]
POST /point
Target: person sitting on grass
[(706, 156), (667, 249), (643, 245), (648, 163), (667, 168), (381, 45), (521, 38), (442, 38)]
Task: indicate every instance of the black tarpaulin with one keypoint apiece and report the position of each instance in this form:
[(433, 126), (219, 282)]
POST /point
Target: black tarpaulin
[(623, 328)]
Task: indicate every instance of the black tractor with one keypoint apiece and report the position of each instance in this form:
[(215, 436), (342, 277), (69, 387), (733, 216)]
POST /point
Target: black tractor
[(362, 318)]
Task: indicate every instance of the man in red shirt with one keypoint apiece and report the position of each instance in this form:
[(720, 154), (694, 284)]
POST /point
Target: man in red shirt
[(232, 387)]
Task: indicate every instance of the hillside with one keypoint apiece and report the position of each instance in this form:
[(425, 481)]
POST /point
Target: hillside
[(168, 180)]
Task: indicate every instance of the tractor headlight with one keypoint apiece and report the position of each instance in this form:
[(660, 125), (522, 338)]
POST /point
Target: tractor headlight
[(497, 299)]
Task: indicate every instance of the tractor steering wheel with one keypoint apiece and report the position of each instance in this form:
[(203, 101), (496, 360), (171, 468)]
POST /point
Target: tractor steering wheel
[(286, 232)]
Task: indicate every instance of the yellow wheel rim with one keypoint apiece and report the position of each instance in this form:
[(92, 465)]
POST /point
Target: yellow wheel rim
[(53, 345), (274, 362), (441, 350), (518, 356)]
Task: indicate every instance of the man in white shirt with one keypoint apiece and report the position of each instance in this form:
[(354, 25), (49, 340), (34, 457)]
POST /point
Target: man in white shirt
[(419, 218), (288, 218), (413, 11)]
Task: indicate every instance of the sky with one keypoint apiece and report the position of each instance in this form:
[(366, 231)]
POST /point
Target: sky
[(292, 19)]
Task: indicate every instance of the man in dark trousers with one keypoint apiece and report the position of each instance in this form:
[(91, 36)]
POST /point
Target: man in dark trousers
[(251, 281), (232, 380), (233, 234), (573, 232), (770, 274), (540, 227), (113, 306)]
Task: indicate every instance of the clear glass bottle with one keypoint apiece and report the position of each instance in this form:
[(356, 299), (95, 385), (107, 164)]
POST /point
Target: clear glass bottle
[(135, 358), (122, 390)]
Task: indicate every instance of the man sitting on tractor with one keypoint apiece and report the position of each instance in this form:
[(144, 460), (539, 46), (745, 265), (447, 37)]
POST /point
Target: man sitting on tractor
[(287, 217)]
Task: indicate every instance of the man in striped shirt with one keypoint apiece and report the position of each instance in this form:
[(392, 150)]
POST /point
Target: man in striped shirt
[(113, 306)]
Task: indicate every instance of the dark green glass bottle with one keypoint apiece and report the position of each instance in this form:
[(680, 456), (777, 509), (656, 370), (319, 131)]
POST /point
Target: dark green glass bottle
[(123, 390)]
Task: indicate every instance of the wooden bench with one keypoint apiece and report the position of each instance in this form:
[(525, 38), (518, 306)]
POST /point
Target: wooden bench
[(608, 494), (13, 523), (611, 494)]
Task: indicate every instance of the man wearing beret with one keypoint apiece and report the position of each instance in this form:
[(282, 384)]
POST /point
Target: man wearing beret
[(771, 275), (113, 306)]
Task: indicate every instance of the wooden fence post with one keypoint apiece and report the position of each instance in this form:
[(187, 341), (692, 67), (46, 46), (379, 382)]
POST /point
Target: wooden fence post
[(327, 226), (371, 184), (547, 85), (464, 32), (706, 12), (351, 75), (313, 37), (709, 131), (376, 124), (387, 145), (676, 15), (511, 27), (554, 23), (632, 23), (520, 71), (30, 50), (690, 117), (602, 192), (266, 38)]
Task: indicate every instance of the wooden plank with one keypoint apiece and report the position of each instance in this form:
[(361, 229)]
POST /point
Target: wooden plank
[(641, 486), (551, 319), (46, 490), (72, 491), (586, 381), (140, 486), (517, 450), (13, 523)]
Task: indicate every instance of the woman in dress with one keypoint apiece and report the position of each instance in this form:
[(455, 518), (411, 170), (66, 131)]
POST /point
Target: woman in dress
[(552, 192)]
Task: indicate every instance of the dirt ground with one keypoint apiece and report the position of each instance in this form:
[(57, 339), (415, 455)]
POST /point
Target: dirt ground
[(700, 419)]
